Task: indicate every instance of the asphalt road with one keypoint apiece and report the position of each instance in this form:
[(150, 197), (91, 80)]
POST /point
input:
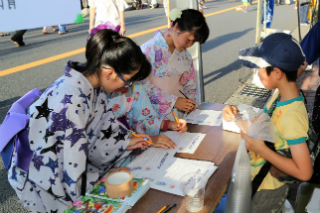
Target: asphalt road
[(230, 32)]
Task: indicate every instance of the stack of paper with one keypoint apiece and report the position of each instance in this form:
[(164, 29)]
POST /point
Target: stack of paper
[(205, 117), (170, 182), (140, 187), (92, 204), (186, 142), (163, 170), (314, 203)]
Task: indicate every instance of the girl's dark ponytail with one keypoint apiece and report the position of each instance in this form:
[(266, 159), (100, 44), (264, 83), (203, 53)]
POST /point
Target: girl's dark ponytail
[(121, 53)]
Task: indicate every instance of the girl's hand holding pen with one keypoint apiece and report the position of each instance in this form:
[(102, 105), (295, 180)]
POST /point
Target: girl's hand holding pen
[(175, 126), (185, 104), (139, 142)]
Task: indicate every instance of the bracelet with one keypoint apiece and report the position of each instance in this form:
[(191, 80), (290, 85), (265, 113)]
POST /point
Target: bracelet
[(166, 125)]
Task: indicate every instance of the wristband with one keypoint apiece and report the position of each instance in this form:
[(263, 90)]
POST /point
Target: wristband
[(166, 125)]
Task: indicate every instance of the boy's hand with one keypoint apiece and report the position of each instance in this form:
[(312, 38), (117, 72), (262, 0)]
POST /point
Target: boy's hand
[(228, 112), (163, 141), (252, 144), (276, 173), (186, 105), (173, 125)]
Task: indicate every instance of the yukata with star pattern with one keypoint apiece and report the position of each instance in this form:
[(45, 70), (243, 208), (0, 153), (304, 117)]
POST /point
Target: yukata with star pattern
[(134, 104), (171, 72), (72, 129)]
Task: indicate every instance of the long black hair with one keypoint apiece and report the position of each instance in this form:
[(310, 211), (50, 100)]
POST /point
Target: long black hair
[(120, 53), (194, 22)]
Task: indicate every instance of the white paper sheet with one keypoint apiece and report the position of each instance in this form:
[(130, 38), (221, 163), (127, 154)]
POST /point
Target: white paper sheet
[(314, 203), (171, 181), (205, 117), (186, 142), (164, 170), (152, 163)]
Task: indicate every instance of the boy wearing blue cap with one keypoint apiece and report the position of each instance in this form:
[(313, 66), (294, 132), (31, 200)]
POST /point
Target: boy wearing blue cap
[(278, 59)]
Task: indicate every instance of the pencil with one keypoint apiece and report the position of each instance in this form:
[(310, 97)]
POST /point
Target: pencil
[(168, 209), (183, 94), (175, 117), (163, 208), (140, 137)]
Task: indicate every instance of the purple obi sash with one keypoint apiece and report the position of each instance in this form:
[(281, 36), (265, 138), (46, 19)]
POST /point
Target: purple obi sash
[(14, 132)]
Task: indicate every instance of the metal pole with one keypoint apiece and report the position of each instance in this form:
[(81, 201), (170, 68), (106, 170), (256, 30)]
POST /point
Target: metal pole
[(168, 10), (318, 10), (298, 11), (265, 19), (258, 23), (200, 76)]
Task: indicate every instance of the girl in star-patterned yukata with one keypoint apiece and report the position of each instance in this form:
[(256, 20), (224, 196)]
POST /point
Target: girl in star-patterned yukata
[(172, 64), (73, 133)]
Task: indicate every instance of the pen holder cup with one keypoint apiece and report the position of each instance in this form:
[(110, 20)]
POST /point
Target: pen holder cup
[(193, 187), (119, 184)]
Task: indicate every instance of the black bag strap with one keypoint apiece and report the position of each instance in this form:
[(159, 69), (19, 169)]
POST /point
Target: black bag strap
[(256, 182), (84, 180)]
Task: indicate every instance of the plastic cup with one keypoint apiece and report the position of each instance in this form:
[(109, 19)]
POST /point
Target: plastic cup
[(245, 118), (193, 187)]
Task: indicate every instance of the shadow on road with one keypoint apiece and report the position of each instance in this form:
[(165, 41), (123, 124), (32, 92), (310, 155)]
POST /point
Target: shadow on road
[(218, 41), (222, 72)]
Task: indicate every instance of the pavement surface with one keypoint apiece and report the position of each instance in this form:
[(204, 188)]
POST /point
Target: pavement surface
[(230, 32)]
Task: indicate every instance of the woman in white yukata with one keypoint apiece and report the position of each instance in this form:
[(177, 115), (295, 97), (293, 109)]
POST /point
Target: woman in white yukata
[(103, 11), (73, 134), (172, 64)]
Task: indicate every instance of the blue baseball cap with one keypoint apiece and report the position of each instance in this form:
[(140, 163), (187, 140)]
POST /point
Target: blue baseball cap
[(278, 50)]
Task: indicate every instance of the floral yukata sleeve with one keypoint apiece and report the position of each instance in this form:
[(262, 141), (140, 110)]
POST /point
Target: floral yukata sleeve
[(171, 72), (135, 105)]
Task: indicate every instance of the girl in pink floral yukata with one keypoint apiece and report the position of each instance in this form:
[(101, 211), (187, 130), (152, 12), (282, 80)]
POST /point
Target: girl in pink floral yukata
[(172, 64)]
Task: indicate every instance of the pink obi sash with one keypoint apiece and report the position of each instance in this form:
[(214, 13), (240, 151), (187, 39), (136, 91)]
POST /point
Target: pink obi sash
[(170, 84)]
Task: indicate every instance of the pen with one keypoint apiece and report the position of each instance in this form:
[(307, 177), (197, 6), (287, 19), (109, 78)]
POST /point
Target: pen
[(163, 208), (183, 94), (168, 209), (175, 117), (146, 139)]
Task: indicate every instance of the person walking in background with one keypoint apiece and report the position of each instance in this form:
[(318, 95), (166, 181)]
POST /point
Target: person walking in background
[(154, 4), (103, 11), (296, 5), (304, 7), (45, 29), (17, 38), (245, 6), (4, 34), (62, 29), (202, 4)]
